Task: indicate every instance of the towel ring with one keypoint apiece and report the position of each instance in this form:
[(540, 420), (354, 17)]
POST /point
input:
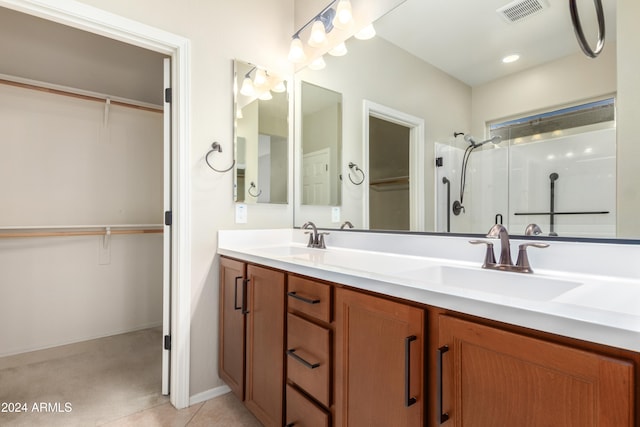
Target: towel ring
[(357, 169), (216, 147), (253, 185), (577, 27)]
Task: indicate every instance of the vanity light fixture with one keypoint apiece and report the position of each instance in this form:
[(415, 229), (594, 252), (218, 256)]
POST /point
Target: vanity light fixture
[(318, 36), (260, 79), (318, 64), (279, 87), (296, 50), (321, 25), (344, 17), (366, 33), (265, 96), (247, 88), (339, 50), (510, 58)]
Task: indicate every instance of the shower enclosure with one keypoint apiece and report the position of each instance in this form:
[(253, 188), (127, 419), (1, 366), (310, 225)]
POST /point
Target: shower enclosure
[(557, 170)]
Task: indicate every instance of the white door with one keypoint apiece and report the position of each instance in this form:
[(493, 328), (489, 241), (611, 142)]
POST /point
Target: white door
[(166, 262), (315, 180)]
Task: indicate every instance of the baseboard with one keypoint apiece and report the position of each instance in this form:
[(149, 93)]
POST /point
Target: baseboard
[(209, 394)]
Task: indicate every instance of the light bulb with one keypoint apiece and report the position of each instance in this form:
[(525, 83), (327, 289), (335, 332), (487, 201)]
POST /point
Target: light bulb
[(343, 14), (318, 35), (296, 50), (366, 33), (260, 79), (265, 96), (247, 88), (318, 64), (339, 50), (279, 87)]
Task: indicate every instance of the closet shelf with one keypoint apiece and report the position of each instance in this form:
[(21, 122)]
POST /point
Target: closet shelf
[(78, 230), (390, 184)]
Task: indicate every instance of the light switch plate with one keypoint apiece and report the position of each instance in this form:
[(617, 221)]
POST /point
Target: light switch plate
[(335, 214), (241, 213)]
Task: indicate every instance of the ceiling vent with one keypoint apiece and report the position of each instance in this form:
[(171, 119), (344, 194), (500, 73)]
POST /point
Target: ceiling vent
[(520, 9)]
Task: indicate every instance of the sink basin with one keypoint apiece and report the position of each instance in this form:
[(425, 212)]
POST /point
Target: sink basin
[(502, 283), (287, 251), (361, 261)]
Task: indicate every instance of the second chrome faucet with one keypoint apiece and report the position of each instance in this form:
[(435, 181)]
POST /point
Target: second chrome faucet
[(522, 265), (316, 240)]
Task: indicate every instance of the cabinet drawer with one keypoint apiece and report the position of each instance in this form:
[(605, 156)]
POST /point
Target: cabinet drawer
[(310, 297), (301, 412), (309, 357)]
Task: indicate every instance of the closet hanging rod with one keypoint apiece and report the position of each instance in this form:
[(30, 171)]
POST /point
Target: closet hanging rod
[(78, 230), (77, 93)]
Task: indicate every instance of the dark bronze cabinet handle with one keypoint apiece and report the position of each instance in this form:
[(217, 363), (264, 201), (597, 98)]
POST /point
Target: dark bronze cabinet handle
[(303, 299), (292, 353), (235, 295), (245, 285), (442, 416), (408, 400)]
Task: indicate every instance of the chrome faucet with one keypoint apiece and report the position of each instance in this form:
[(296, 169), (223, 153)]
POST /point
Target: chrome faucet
[(498, 231), (522, 265), (316, 240), (532, 230)]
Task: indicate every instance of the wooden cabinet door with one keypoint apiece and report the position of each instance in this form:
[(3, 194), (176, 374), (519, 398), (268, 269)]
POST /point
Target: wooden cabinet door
[(231, 361), (265, 344), (379, 362), (496, 378)]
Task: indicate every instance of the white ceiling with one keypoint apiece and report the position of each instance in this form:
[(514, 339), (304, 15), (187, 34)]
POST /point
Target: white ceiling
[(468, 38)]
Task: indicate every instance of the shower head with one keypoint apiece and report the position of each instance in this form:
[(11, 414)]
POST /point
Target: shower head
[(471, 140)]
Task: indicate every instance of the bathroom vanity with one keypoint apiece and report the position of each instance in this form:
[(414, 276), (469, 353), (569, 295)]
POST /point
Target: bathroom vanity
[(351, 335)]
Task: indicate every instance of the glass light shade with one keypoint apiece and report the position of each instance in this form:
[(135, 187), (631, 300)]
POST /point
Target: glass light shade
[(265, 96), (344, 16), (366, 33), (296, 51), (318, 35), (279, 87), (318, 63), (247, 88), (339, 50), (260, 79)]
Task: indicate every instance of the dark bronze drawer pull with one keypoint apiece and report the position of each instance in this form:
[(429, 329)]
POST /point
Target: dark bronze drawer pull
[(408, 400), (292, 353), (443, 416), (303, 299), (235, 295)]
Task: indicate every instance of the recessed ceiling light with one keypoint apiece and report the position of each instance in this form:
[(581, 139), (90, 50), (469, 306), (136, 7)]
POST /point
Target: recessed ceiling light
[(510, 58)]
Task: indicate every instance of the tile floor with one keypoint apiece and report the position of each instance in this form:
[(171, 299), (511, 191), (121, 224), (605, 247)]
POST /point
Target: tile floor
[(224, 410)]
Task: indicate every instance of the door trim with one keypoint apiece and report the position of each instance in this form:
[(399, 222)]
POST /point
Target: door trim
[(98, 21), (416, 165)]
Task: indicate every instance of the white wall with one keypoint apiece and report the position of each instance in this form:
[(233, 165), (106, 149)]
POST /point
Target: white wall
[(60, 165)]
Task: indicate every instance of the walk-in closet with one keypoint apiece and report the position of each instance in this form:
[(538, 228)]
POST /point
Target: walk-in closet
[(82, 191)]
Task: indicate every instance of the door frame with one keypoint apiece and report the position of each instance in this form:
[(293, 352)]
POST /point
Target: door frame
[(98, 21), (416, 160)]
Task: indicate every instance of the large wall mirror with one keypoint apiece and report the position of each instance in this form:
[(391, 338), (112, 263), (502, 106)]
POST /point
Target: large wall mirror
[(320, 145), (261, 133), (436, 69)]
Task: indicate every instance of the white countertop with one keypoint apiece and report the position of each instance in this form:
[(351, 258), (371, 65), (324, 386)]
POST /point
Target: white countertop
[(597, 306)]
